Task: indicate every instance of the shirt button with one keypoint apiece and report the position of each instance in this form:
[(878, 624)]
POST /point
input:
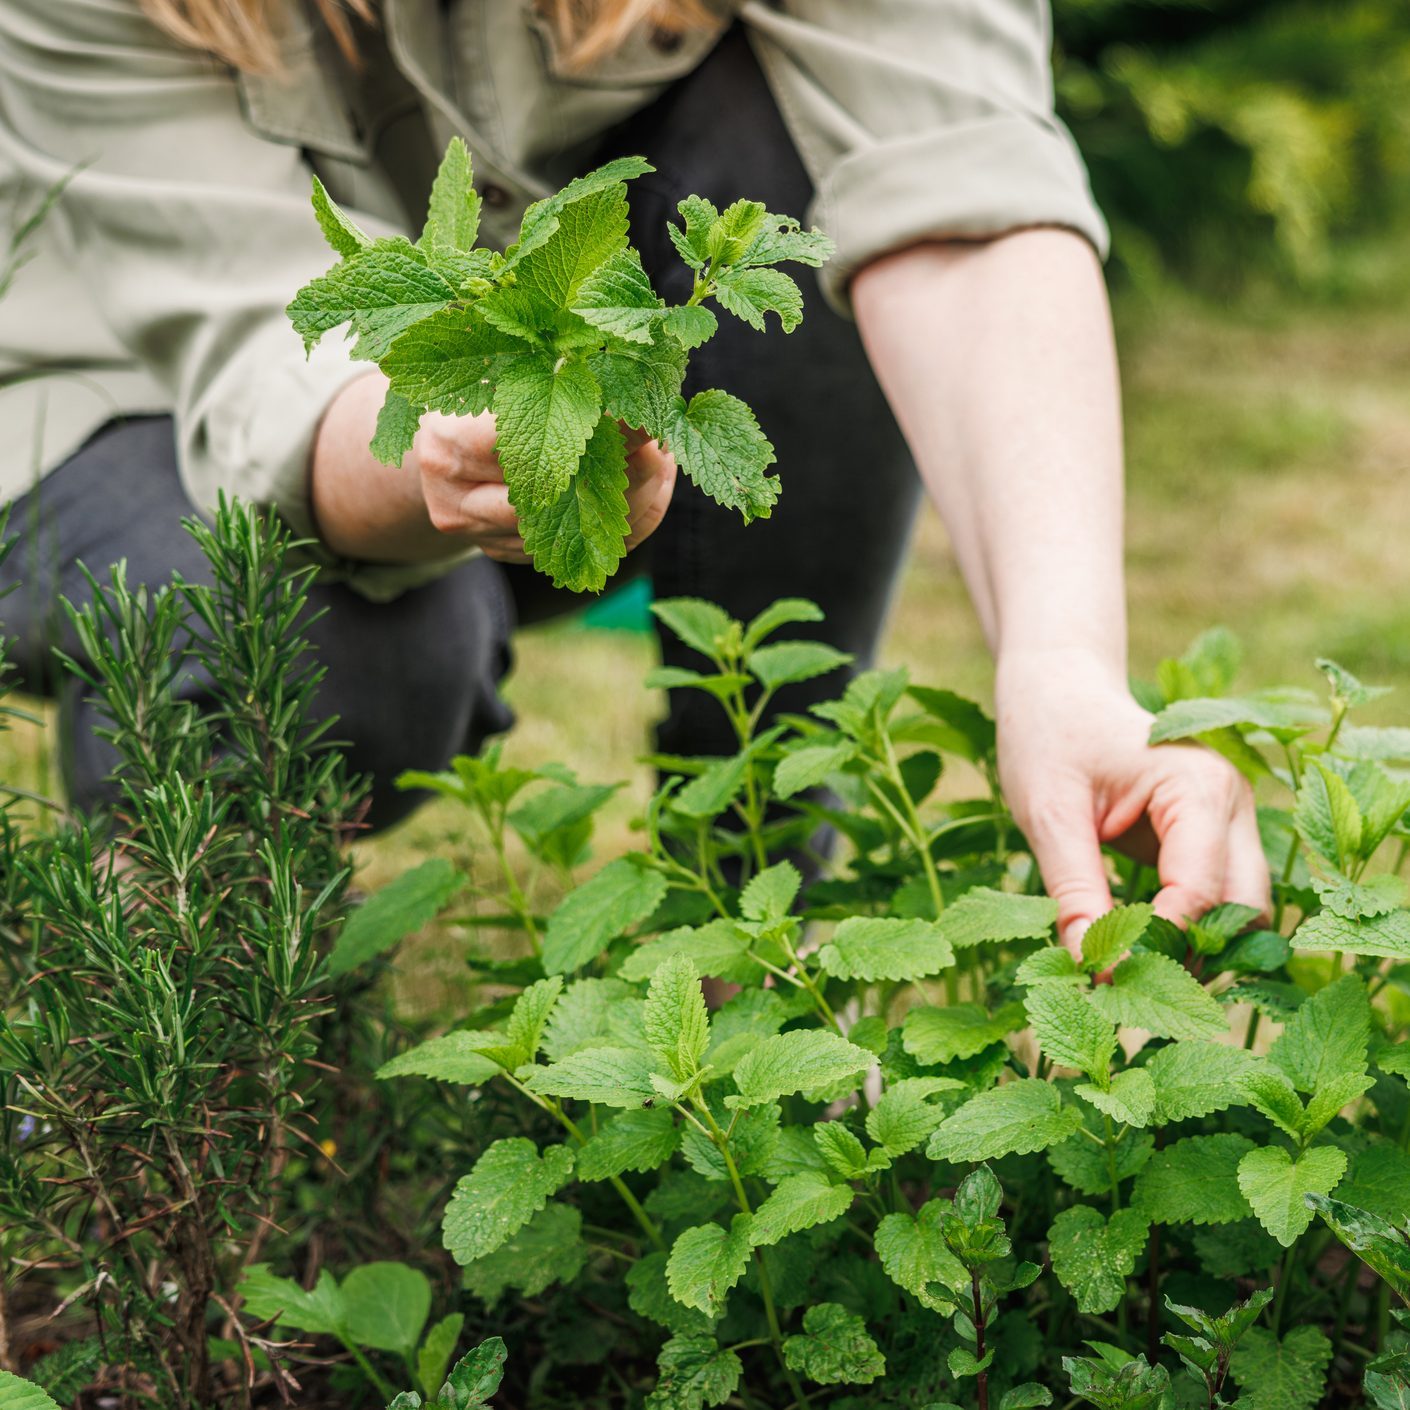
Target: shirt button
[(494, 196)]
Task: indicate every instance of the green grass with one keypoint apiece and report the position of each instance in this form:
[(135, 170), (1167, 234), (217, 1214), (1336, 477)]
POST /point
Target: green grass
[(1269, 447)]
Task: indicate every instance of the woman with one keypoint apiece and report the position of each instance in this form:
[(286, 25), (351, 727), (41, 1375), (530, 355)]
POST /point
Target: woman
[(922, 136)]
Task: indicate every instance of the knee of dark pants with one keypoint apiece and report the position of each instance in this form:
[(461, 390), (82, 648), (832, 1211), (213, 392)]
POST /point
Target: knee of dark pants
[(409, 684), (414, 682)]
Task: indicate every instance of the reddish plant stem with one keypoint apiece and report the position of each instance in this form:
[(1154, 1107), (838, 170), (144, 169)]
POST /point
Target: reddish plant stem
[(981, 1382)]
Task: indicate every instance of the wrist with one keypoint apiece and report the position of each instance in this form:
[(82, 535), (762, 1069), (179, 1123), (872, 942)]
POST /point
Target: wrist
[(1027, 668)]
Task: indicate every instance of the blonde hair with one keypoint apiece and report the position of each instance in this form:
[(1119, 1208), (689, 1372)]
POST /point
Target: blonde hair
[(245, 33)]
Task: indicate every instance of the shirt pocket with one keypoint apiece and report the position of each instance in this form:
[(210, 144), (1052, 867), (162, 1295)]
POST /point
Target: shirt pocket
[(306, 104), (648, 58)]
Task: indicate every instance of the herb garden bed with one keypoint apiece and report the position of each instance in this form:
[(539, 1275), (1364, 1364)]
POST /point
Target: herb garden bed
[(737, 1121)]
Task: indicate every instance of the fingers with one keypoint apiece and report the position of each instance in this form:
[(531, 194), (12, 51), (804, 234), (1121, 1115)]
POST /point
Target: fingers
[(1192, 811), (651, 475), (1246, 878), (1063, 836), (487, 518)]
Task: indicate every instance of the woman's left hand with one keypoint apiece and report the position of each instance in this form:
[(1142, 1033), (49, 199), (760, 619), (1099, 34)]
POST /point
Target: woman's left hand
[(1078, 772)]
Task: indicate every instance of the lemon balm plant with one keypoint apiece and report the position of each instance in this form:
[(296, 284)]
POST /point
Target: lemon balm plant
[(917, 1155), (563, 337)]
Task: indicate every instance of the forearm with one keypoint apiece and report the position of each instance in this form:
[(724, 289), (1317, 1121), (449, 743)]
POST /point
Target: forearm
[(363, 509), (998, 360)]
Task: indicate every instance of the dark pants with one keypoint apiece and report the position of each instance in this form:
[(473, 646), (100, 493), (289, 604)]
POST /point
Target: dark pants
[(414, 681)]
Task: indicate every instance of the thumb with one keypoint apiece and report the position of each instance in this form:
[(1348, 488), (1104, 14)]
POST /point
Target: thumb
[(1069, 856)]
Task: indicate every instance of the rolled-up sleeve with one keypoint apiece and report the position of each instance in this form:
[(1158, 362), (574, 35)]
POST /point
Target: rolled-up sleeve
[(922, 119), (186, 231)]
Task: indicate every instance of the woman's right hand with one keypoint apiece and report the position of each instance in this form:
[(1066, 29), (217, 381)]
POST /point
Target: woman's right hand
[(449, 493), (462, 484)]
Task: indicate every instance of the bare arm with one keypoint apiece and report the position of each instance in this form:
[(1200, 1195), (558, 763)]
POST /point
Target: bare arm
[(998, 359), (449, 493)]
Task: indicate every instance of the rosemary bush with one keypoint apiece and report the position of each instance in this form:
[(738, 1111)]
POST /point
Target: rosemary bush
[(165, 973)]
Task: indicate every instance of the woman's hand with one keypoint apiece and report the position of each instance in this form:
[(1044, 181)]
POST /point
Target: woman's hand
[(1078, 772), (449, 493), (463, 486)]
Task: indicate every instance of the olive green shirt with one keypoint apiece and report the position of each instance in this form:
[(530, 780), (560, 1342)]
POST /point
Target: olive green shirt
[(160, 280)]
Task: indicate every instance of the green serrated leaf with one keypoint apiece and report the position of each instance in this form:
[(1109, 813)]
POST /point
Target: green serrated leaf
[(984, 916), (1281, 1375), (770, 895), (1274, 1183), (834, 1348), (546, 409), (638, 1139), (914, 1256), (605, 907), (805, 768), (649, 1297), (1152, 991), (1196, 1079), (530, 1013), (1130, 1099), (1195, 1181), (841, 1149), (1070, 1030), (381, 291), (1188, 719), (507, 1186), (549, 1249), (343, 233), (804, 1060), (453, 217), (581, 538), (641, 382), (1017, 1118), (457, 1057), (701, 625), (1327, 1037), (875, 948), (448, 363), (799, 1202), (716, 949), (1093, 1256), (718, 444), (690, 324), (591, 229), (706, 1262), (694, 1372), (617, 296), (751, 293), (905, 1115), (1383, 936), (676, 1026), (398, 909), (397, 423), (1110, 936), (783, 663), (609, 1076), (939, 1035), (476, 1376), (1327, 816)]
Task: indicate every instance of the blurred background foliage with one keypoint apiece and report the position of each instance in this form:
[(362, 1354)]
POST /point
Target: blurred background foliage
[(1235, 138)]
